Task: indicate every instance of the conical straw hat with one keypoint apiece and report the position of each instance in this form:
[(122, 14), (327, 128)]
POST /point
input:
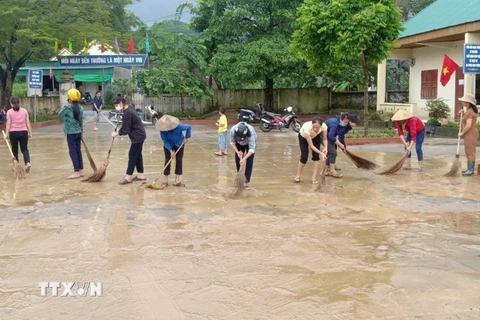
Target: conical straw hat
[(468, 97), (167, 123), (402, 114)]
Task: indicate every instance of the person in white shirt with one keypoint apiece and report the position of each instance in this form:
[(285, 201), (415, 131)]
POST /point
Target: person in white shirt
[(311, 135)]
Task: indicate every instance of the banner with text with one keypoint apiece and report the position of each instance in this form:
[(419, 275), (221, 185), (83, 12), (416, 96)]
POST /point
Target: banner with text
[(99, 61)]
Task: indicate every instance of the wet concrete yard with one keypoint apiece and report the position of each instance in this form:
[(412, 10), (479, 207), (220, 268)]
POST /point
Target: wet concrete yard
[(405, 246)]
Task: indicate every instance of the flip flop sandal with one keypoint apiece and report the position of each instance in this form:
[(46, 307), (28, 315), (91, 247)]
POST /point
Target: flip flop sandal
[(297, 180), (164, 184), (139, 179), (73, 177), (338, 175), (218, 153), (314, 181), (178, 184), (406, 168), (124, 181), (27, 168)]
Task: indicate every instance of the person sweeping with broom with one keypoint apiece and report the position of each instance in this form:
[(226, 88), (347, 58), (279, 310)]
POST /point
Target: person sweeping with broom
[(469, 131), (133, 127), (171, 132), (19, 130), (338, 127), (72, 115), (405, 120), (311, 135), (243, 140)]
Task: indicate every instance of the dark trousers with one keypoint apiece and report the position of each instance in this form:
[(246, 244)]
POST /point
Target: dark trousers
[(304, 147), (331, 152), (249, 164), (135, 158), (74, 141), (178, 160), (20, 137)]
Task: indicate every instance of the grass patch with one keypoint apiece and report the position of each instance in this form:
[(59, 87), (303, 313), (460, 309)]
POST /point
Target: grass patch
[(373, 133)]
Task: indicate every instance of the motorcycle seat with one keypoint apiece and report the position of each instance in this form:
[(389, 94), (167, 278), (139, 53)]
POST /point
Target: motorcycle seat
[(273, 114)]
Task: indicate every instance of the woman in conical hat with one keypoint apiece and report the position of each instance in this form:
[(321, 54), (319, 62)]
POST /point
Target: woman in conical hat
[(405, 120), (469, 131), (171, 132)]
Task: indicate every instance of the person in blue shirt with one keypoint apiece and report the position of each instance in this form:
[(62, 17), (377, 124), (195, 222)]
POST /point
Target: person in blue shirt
[(338, 127), (171, 132), (97, 105), (243, 140)]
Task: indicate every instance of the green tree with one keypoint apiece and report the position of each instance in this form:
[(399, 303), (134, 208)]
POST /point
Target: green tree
[(30, 27), (177, 60), (331, 34), (249, 42), (411, 7)]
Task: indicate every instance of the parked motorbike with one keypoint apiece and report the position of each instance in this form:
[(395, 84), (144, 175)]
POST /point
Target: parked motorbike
[(3, 115), (250, 115), (86, 98), (116, 116), (154, 114), (273, 120)]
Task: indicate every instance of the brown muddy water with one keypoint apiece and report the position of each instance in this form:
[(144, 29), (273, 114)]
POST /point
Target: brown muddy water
[(405, 246)]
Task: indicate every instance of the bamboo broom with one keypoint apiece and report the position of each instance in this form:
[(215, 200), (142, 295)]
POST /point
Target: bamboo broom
[(90, 159), (18, 170), (397, 166), (456, 163), (153, 185), (240, 179), (360, 162)]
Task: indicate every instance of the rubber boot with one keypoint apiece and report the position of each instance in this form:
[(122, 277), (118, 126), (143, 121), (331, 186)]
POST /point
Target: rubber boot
[(470, 169)]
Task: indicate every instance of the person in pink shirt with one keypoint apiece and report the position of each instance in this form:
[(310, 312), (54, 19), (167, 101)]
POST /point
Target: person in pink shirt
[(405, 120), (19, 130)]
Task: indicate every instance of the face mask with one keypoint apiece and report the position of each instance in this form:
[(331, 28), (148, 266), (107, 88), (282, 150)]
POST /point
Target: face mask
[(342, 124), (118, 108), (464, 109)]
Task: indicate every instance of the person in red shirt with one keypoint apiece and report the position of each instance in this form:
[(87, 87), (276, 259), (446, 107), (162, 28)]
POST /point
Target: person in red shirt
[(405, 120)]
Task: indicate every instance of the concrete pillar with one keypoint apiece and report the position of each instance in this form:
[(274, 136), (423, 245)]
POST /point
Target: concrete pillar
[(469, 86), (67, 82), (381, 83)]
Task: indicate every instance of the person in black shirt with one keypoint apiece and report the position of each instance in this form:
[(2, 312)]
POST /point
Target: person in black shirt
[(133, 127)]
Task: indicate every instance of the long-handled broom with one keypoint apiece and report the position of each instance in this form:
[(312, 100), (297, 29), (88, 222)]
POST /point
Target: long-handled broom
[(456, 163), (152, 185), (18, 170), (90, 159), (99, 174), (360, 162), (323, 174), (240, 179), (397, 166)]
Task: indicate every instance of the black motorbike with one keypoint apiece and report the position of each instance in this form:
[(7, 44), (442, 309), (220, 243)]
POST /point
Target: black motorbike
[(87, 98), (273, 120), (251, 115), (116, 116)]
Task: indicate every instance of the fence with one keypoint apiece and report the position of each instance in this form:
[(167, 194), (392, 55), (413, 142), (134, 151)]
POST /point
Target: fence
[(171, 104)]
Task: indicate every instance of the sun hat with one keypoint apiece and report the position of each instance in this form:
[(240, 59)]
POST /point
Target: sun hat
[(401, 115), (468, 97), (167, 123)]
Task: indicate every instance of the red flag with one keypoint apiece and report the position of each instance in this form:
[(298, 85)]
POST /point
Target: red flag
[(131, 45), (448, 68), (51, 73)]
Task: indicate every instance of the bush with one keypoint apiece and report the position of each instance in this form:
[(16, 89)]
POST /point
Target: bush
[(451, 125), (45, 114), (437, 108), (433, 122), (380, 115)]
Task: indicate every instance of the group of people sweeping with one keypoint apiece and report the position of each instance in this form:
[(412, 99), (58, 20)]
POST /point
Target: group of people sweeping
[(323, 138)]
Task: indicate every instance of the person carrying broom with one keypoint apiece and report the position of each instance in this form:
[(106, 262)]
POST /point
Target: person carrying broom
[(243, 140), (405, 120), (171, 132), (469, 131), (133, 127), (338, 127), (19, 130), (311, 135), (72, 115)]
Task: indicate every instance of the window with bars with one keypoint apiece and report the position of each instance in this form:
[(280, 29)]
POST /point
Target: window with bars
[(429, 84)]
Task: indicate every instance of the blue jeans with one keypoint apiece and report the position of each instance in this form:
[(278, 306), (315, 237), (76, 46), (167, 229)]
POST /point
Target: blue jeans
[(222, 140), (74, 141), (418, 144)]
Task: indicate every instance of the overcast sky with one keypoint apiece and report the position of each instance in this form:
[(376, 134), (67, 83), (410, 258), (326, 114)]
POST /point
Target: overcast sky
[(151, 11)]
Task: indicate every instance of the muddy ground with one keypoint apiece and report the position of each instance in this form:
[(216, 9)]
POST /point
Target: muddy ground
[(405, 246)]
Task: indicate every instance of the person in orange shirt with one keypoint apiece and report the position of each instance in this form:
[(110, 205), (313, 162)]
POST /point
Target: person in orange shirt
[(469, 131)]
